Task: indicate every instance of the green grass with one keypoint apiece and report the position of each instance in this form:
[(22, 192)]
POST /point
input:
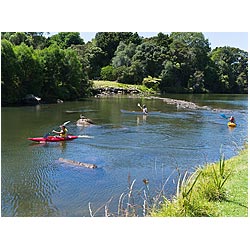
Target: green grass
[(236, 203), (105, 84), (219, 189)]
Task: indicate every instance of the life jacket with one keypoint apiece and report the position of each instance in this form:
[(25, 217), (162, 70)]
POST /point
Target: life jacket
[(64, 134), (232, 119)]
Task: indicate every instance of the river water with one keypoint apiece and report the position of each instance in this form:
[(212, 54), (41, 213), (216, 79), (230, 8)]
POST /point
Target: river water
[(125, 147)]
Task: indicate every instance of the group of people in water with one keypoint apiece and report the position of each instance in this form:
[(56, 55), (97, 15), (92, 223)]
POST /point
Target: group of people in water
[(85, 121), (145, 111)]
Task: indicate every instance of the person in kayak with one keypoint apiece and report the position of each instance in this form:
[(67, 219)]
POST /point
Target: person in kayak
[(143, 108), (63, 133), (231, 119)]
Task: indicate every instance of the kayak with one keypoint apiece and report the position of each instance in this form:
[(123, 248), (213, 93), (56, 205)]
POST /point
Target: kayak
[(231, 124), (139, 112), (52, 138), (132, 112)]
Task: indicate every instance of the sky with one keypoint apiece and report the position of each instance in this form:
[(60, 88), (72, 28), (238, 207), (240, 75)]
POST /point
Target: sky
[(216, 39)]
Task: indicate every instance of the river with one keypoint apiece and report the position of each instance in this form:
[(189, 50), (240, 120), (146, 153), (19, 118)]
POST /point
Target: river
[(125, 147)]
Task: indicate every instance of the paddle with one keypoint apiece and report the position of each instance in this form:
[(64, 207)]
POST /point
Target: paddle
[(224, 116), (139, 105), (64, 124), (231, 120)]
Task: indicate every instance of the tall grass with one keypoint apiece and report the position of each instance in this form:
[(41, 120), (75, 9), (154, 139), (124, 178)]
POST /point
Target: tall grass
[(219, 179), (187, 202), (197, 194)]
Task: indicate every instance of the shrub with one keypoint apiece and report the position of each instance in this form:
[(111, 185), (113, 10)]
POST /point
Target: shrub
[(151, 82), (108, 73)]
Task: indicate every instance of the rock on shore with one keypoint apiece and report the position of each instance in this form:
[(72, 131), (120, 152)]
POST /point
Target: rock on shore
[(106, 91)]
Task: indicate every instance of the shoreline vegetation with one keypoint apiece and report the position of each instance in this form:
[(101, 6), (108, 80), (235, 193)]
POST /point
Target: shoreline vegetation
[(218, 189), (111, 88), (38, 68), (106, 88)]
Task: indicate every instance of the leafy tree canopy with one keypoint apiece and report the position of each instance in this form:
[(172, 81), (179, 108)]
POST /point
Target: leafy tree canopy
[(60, 66), (66, 39)]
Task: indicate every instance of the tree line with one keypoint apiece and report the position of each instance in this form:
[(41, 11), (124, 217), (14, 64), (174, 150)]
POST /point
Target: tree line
[(62, 66)]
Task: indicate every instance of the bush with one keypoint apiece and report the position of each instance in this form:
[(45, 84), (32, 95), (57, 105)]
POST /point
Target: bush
[(108, 73), (152, 82)]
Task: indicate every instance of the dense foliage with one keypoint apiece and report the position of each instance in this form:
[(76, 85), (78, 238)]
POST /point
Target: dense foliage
[(61, 66), (48, 68)]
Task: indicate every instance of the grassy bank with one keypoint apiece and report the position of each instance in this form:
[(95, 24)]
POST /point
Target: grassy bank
[(219, 189), (113, 84), (236, 203)]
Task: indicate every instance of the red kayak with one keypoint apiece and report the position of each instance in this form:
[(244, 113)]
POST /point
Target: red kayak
[(51, 138)]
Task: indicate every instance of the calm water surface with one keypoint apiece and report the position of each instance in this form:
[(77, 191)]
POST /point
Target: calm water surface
[(124, 147)]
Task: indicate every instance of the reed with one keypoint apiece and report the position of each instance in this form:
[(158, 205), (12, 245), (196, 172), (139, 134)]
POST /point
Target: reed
[(219, 179), (187, 202), (202, 192), (197, 194)]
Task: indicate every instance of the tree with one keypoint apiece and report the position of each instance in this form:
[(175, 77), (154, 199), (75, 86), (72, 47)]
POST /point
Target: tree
[(51, 58), (29, 70), (34, 39), (171, 78), (66, 39), (92, 56), (108, 73), (9, 78), (152, 82), (64, 77), (108, 42), (123, 54), (231, 65), (161, 40), (151, 57), (38, 41), (16, 38), (196, 82), (188, 54), (211, 77), (197, 47), (130, 75), (71, 76)]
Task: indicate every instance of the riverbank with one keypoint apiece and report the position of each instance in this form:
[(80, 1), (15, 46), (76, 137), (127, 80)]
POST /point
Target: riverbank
[(106, 88), (218, 190), (111, 88)]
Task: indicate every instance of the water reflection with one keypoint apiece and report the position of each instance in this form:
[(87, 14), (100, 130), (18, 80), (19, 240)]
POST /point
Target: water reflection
[(141, 119), (61, 144)]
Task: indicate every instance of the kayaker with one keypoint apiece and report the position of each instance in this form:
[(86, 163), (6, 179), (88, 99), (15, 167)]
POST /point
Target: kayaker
[(63, 133), (83, 121), (143, 108), (231, 119)]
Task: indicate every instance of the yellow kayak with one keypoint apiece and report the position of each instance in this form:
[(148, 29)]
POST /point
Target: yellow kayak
[(231, 124)]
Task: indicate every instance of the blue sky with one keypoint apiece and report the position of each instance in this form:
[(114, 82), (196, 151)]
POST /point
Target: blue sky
[(216, 39)]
